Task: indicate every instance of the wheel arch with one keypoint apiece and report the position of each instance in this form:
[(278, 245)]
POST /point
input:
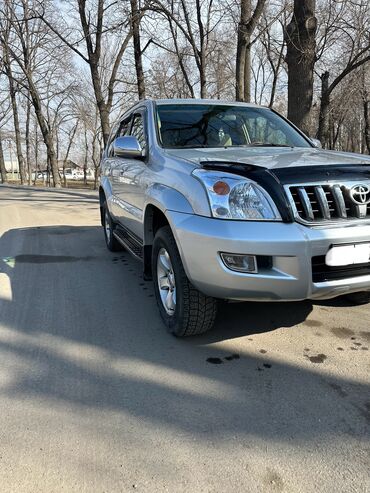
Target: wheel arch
[(154, 218), (105, 193), (160, 199), (102, 200)]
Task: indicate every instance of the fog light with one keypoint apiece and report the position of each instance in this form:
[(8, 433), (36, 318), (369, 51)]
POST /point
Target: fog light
[(240, 263)]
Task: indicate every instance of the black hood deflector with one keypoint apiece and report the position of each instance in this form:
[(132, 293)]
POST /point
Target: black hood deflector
[(323, 174), (273, 180)]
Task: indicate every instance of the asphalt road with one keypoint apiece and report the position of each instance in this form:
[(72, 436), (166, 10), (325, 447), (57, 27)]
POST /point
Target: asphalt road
[(95, 396)]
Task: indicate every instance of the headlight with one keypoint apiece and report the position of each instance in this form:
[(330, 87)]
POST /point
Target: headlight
[(235, 197)]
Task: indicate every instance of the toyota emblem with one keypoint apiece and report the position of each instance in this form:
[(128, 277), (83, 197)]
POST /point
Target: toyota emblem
[(360, 194)]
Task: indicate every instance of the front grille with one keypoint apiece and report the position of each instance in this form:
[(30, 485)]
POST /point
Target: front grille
[(322, 272), (320, 203)]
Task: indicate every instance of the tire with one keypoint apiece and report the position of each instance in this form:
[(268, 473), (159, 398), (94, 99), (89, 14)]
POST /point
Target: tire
[(361, 298), (108, 225), (186, 311)]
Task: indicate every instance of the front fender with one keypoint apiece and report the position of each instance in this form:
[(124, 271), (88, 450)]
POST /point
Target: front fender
[(167, 199), (106, 187), (105, 196)]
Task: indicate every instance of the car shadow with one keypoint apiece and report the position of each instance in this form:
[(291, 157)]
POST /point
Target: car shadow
[(244, 319), (88, 333)]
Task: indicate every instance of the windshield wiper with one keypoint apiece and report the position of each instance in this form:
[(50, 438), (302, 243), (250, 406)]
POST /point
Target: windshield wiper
[(215, 164), (267, 144)]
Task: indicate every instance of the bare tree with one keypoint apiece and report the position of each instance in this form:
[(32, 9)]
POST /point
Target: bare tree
[(70, 139), (360, 58), (273, 42), (343, 48), (5, 29), (194, 21), (28, 34), (92, 25), (4, 118)]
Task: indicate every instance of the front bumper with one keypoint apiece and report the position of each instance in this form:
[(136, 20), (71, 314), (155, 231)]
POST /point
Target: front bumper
[(291, 246)]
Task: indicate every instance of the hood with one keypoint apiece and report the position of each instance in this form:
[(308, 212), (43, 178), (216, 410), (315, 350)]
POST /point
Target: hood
[(271, 157)]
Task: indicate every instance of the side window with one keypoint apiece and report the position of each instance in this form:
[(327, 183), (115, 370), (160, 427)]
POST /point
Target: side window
[(119, 131), (137, 130), (111, 139), (124, 127)]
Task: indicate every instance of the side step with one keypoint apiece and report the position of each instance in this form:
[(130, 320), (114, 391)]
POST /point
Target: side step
[(130, 241)]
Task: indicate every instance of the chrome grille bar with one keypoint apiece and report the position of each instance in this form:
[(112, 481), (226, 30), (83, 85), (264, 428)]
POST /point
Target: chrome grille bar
[(339, 201), (323, 202), (306, 203)]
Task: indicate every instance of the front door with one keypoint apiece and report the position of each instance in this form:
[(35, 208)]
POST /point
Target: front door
[(132, 179), (118, 165)]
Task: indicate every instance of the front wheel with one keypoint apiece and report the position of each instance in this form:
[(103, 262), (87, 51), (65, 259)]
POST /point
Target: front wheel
[(184, 310)]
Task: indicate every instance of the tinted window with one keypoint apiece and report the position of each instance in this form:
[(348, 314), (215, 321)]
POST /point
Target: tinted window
[(124, 127), (111, 139), (199, 125), (137, 130), (118, 131)]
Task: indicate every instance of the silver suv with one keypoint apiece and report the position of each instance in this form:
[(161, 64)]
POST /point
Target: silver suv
[(230, 201)]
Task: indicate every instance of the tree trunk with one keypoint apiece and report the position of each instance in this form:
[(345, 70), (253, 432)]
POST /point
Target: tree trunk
[(86, 158), (28, 143), (367, 124), (247, 72), (65, 160), (96, 164), (13, 98), (241, 51), (300, 37), (275, 70), (323, 130), (273, 88), (247, 24), (201, 51), (36, 130), (46, 133), (3, 175), (135, 25), (95, 155), (180, 57), (202, 81), (103, 110)]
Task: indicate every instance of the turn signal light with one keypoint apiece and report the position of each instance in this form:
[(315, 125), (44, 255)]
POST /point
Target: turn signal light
[(221, 188)]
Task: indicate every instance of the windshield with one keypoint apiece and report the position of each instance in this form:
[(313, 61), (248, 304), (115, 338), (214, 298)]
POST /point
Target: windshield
[(207, 125)]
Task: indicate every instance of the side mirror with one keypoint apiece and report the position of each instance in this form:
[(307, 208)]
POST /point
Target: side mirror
[(316, 143), (127, 146)]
